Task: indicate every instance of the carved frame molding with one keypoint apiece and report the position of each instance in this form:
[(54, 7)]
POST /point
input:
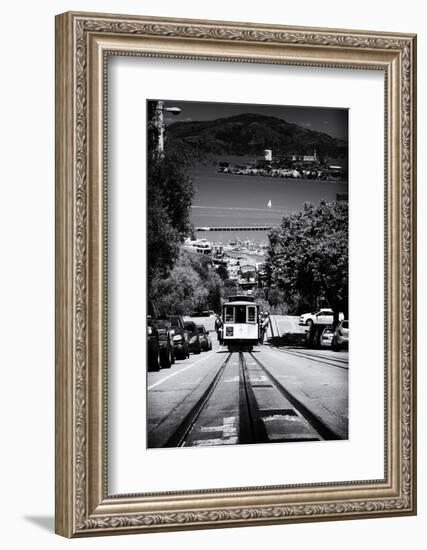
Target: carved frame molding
[(83, 42)]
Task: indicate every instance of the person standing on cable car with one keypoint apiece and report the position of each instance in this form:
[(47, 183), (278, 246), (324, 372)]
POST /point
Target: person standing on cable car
[(264, 325), (260, 320), (218, 328)]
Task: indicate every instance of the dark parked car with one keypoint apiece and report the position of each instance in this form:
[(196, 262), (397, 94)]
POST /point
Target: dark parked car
[(341, 336), (205, 339), (167, 350), (193, 337), (153, 347), (161, 353), (160, 347), (180, 336)]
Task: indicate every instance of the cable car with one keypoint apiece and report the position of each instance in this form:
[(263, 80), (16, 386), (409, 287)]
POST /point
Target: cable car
[(240, 330)]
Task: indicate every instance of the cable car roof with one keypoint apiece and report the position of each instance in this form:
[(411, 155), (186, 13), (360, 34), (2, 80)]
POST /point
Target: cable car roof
[(241, 298), (240, 303)]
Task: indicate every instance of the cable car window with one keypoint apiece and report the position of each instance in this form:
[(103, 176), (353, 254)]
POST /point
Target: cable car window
[(229, 314), (251, 314), (241, 314)]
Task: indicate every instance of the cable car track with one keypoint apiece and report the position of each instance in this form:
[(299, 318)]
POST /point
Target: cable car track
[(252, 429), (335, 358), (265, 411), (178, 438), (319, 426), (316, 358)]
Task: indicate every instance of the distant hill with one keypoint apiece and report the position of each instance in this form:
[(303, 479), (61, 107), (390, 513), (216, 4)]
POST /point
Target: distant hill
[(250, 134)]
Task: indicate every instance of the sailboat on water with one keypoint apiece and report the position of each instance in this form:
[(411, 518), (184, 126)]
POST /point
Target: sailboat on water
[(269, 204)]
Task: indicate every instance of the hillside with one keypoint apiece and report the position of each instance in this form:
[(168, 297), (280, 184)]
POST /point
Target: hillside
[(252, 133)]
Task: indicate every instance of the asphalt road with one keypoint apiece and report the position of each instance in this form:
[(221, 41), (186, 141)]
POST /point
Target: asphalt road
[(270, 395)]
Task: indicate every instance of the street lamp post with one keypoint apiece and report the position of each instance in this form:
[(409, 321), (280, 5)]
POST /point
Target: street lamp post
[(160, 125)]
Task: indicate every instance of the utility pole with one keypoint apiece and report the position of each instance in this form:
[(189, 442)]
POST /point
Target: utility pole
[(159, 123)]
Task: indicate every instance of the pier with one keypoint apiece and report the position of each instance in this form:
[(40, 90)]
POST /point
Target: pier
[(268, 227)]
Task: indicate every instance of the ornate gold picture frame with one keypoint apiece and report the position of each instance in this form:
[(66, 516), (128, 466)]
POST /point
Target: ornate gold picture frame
[(84, 42)]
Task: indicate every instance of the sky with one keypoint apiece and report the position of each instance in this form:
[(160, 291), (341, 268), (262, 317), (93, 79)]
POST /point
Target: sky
[(331, 121)]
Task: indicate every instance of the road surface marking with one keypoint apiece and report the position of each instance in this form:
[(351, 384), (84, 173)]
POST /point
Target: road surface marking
[(207, 442), (177, 372), (229, 433), (235, 379), (211, 428), (230, 428), (287, 417), (258, 378)]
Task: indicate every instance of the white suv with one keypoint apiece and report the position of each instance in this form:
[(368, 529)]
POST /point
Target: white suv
[(324, 316)]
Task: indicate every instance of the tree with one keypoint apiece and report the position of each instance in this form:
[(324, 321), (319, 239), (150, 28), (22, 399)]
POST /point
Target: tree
[(231, 288), (169, 196), (222, 272), (192, 285), (259, 295), (275, 297), (180, 293), (170, 192), (307, 257), (215, 287), (212, 282), (177, 282)]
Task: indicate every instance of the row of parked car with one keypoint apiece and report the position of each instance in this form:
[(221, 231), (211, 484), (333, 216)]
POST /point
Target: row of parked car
[(171, 338), (336, 338)]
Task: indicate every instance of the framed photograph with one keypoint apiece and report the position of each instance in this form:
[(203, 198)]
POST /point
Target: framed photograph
[(228, 197)]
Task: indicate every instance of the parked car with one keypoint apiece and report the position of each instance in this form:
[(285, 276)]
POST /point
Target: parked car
[(324, 316), (205, 339), (153, 347), (326, 337), (180, 336), (341, 336), (165, 336), (194, 344), (161, 353)]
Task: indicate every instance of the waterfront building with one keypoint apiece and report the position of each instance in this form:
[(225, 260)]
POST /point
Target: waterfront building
[(198, 246)]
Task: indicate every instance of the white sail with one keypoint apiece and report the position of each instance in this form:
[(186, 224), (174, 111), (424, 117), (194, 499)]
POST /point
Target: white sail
[(269, 204)]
